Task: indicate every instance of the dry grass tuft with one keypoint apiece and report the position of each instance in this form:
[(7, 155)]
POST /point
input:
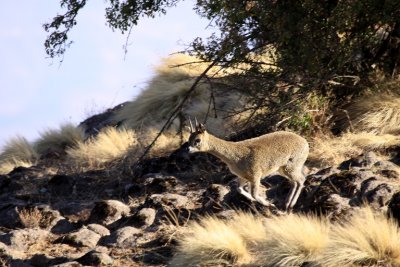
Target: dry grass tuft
[(293, 240), (30, 217), (109, 145), (57, 140), (329, 151), (211, 242), (366, 239), (377, 112), (17, 152), (166, 91)]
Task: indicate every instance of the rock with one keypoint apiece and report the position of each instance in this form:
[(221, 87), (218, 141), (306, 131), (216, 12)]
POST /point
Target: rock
[(146, 216), (99, 229), (68, 264), (9, 217), (81, 238), (21, 239), (62, 185), (394, 206), (19, 263), (108, 211), (40, 260), (380, 195), (96, 258), (123, 238), (158, 183), (63, 226), (170, 199), (215, 197)]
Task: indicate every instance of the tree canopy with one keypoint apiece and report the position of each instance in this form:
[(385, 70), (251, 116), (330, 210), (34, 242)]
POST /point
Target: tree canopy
[(314, 45)]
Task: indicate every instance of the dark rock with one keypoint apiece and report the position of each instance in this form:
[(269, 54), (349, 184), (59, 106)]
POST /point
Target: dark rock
[(81, 238), (157, 256), (123, 238), (9, 217), (62, 185), (380, 195), (169, 199), (146, 216), (215, 197), (108, 211), (19, 263), (40, 260), (68, 264), (394, 206), (64, 226), (96, 258), (99, 229), (158, 183), (94, 124)]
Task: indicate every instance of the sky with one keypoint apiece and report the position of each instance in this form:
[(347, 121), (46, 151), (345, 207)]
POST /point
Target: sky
[(39, 93)]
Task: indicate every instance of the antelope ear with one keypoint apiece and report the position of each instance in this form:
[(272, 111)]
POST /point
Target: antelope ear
[(201, 128)]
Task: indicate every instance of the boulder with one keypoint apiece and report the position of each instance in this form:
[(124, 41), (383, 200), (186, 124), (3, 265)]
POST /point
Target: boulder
[(123, 238), (108, 211), (21, 239), (81, 238)]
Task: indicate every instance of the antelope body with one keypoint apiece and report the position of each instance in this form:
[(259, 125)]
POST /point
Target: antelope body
[(255, 158)]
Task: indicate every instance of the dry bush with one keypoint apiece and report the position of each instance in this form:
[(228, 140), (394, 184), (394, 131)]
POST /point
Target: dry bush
[(166, 91), (30, 217), (293, 240), (17, 152), (375, 112), (330, 150), (366, 239), (109, 145), (57, 140), (211, 242), (113, 144)]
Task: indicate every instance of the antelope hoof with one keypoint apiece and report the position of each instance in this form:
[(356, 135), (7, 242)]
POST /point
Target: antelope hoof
[(245, 193), (264, 202)]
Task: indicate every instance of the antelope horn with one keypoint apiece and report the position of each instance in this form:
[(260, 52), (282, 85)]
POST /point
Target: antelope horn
[(191, 126), (197, 124)]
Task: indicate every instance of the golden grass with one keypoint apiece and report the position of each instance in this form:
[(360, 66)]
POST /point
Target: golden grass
[(166, 91), (113, 144), (293, 240), (109, 145), (377, 111), (17, 152), (366, 239), (329, 150), (57, 140), (211, 241)]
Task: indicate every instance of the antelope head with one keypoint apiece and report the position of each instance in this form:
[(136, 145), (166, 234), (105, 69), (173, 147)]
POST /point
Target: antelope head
[(198, 140)]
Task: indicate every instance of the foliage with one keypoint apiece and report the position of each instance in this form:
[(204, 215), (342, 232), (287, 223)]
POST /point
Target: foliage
[(290, 48)]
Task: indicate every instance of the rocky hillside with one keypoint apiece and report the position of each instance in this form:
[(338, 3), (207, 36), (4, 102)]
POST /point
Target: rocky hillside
[(132, 215)]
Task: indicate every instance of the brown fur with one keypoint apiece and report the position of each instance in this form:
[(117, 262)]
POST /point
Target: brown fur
[(255, 158)]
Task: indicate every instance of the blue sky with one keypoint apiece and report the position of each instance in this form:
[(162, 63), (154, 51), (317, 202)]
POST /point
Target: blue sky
[(39, 93)]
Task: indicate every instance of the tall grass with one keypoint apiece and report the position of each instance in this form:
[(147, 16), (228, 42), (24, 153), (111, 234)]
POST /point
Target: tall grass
[(212, 241), (366, 239), (331, 150), (17, 152), (109, 145), (377, 111), (166, 91), (57, 140), (293, 240)]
